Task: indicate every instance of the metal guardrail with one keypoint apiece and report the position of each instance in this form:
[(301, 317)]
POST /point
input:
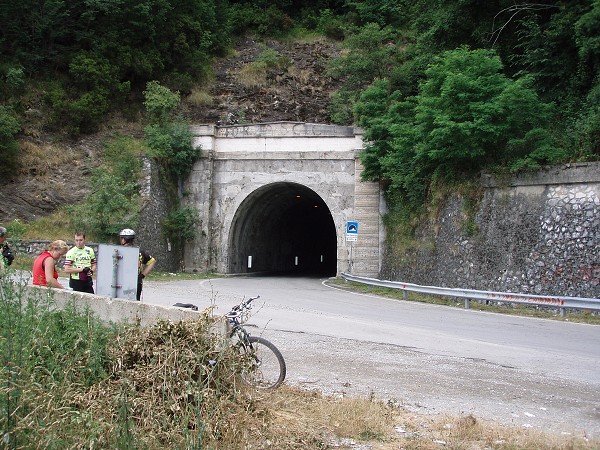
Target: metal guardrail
[(563, 303)]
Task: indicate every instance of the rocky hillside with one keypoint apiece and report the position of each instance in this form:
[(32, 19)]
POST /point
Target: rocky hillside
[(295, 88)]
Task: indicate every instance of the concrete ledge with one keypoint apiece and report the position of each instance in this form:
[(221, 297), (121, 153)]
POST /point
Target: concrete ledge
[(284, 128), (585, 172), (121, 311)]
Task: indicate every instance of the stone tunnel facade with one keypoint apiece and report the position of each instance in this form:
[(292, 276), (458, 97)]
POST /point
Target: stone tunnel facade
[(278, 197)]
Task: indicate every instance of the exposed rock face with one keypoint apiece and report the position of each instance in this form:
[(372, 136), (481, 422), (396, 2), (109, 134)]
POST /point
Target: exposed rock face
[(52, 174), (296, 89)]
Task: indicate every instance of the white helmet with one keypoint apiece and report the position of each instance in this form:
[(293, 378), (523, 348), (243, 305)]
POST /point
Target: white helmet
[(127, 233)]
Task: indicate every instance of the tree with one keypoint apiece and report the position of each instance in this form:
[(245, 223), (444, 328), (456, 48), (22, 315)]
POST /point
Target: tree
[(9, 147), (170, 140), (160, 102), (467, 116), (372, 54), (114, 201)]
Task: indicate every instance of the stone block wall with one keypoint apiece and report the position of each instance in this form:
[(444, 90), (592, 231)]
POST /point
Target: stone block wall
[(155, 207), (535, 234)]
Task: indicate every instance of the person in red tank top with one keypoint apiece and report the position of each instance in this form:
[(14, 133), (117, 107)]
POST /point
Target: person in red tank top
[(44, 266)]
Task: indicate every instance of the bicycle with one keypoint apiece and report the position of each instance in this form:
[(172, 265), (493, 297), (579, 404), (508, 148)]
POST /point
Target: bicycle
[(264, 366)]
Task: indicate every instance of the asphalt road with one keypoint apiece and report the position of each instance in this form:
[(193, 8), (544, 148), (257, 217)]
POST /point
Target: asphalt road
[(429, 359)]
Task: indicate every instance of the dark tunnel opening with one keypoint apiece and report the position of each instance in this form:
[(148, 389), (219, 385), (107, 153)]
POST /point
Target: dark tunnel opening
[(283, 228)]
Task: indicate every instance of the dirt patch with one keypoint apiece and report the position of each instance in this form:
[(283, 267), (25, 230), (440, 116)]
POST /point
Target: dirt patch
[(297, 89)]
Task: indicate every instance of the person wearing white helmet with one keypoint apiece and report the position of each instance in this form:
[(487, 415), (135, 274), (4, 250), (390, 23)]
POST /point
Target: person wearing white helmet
[(146, 262)]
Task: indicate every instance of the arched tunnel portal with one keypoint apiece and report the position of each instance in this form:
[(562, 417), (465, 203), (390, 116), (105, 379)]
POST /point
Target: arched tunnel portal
[(283, 228)]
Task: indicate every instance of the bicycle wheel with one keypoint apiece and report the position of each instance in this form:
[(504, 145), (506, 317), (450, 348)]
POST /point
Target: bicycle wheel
[(264, 367)]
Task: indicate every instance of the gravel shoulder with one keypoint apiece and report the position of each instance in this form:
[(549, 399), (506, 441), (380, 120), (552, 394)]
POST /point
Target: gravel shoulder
[(437, 384)]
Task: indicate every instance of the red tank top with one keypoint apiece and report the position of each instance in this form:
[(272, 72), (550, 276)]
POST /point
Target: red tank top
[(39, 274)]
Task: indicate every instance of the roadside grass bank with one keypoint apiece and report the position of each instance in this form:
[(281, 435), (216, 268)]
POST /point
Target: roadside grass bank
[(579, 316)]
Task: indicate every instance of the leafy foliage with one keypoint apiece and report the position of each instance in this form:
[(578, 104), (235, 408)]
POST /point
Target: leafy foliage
[(395, 13), (114, 202), (171, 145), (170, 141), (180, 225), (9, 147), (99, 55), (103, 49), (95, 384), (368, 58), (264, 20), (44, 350), (532, 65), (160, 102), (467, 116)]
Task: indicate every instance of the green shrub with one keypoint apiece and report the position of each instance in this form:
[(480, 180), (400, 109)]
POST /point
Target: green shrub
[(169, 141), (70, 381), (114, 201), (331, 24), (180, 225), (171, 145), (15, 80), (467, 116), (160, 102), (48, 355), (9, 147)]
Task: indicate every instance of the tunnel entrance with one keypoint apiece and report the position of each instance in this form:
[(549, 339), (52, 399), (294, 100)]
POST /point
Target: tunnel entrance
[(283, 228)]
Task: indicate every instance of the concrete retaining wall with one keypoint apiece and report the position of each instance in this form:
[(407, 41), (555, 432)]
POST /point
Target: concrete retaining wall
[(121, 311)]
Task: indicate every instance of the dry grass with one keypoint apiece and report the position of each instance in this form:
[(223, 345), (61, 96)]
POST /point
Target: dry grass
[(252, 75), (39, 160), (200, 97), (309, 420), (51, 227), (256, 73), (303, 76)]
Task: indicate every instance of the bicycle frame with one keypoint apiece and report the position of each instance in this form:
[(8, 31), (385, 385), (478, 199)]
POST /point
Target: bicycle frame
[(267, 368)]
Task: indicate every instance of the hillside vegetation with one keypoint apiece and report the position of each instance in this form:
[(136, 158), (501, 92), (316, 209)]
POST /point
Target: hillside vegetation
[(443, 89)]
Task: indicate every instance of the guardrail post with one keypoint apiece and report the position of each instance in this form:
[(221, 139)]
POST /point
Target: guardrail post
[(563, 312), (467, 303), (405, 294)]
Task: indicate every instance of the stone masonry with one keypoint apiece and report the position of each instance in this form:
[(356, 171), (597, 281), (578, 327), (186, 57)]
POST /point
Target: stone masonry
[(534, 234)]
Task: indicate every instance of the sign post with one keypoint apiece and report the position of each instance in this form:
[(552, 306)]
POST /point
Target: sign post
[(351, 236)]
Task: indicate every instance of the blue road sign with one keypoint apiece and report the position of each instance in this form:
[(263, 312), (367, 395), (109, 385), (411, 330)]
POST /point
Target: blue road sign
[(352, 228)]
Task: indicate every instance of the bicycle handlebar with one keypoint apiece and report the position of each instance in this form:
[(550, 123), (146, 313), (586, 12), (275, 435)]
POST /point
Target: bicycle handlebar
[(239, 309)]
